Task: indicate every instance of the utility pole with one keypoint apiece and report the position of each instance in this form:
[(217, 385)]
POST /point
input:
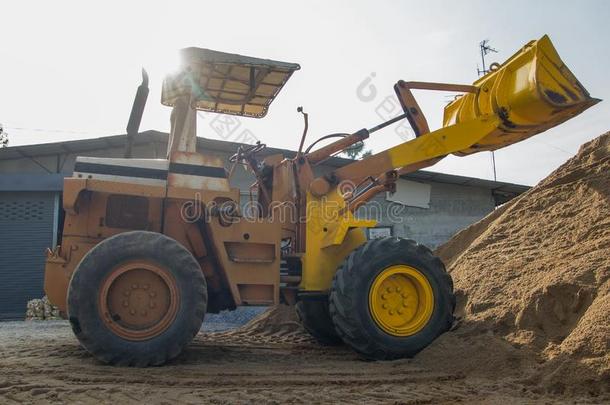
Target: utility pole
[(485, 48)]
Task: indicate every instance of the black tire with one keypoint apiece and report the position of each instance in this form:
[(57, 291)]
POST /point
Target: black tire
[(349, 303), (97, 338), (315, 318)]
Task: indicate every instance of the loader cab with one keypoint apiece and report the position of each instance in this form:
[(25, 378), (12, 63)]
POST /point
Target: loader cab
[(223, 83)]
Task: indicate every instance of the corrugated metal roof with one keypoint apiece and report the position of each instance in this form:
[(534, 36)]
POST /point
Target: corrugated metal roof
[(118, 141)]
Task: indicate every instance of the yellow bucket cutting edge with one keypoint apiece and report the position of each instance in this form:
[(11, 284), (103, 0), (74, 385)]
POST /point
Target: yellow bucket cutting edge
[(531, 92)]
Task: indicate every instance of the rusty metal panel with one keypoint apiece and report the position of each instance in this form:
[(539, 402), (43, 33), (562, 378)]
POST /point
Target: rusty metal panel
[(236, 240), (196, 171), (127, 212), (245, 252)]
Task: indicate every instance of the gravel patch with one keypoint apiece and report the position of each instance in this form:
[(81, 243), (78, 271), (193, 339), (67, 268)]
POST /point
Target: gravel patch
[(20, 330)]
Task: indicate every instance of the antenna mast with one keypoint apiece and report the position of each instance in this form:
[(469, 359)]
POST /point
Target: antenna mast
[(485, 48)]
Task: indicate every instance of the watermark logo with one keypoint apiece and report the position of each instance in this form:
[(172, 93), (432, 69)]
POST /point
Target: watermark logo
[(386, 108), (366, 90), (346, 188), (228, 127), (314, 214), (225, 125), (191, 210)]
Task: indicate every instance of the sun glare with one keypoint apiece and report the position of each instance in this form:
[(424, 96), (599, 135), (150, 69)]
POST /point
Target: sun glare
[(163, 62)]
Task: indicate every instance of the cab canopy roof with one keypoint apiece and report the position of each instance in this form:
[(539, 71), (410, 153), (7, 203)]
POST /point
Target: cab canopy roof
[(227, 83)]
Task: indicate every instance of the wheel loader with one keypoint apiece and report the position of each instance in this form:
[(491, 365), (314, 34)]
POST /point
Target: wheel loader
[(149, 246)]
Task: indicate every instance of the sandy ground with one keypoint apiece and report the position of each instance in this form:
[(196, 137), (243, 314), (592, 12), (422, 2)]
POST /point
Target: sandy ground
[(42, 362)]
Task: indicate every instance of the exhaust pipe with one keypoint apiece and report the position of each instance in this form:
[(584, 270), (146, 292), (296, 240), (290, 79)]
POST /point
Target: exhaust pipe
[(137, 110)]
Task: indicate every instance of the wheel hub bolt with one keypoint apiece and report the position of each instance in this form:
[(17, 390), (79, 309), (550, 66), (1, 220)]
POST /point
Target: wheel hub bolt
[(132, 312), (391, 312), (146, 286), (134, 286), (385, 306), (126, 293), (401, 311), (151, 304), (390, 289), (404, 303), (152, 294), (143, 313), (125, 303)]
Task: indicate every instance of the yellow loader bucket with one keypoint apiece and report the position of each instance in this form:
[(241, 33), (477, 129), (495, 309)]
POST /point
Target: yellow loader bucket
[(531, 92)]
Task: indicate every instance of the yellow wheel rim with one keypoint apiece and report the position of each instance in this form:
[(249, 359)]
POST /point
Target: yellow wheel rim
[(401, 300)]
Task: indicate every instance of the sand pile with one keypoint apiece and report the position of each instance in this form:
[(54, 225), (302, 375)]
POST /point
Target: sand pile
[(536, 272), (281, 319)]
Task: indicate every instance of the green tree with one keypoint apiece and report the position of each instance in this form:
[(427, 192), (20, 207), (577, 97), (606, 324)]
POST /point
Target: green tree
[(3, 137), (357, 150)]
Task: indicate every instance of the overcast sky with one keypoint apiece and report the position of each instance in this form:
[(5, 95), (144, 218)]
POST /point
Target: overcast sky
[(69, 70)]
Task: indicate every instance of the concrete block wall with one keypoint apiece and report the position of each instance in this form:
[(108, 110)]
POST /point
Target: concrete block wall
[(452, 208)]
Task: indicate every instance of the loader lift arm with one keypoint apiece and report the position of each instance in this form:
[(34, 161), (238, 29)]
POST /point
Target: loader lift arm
[(529, 93)]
